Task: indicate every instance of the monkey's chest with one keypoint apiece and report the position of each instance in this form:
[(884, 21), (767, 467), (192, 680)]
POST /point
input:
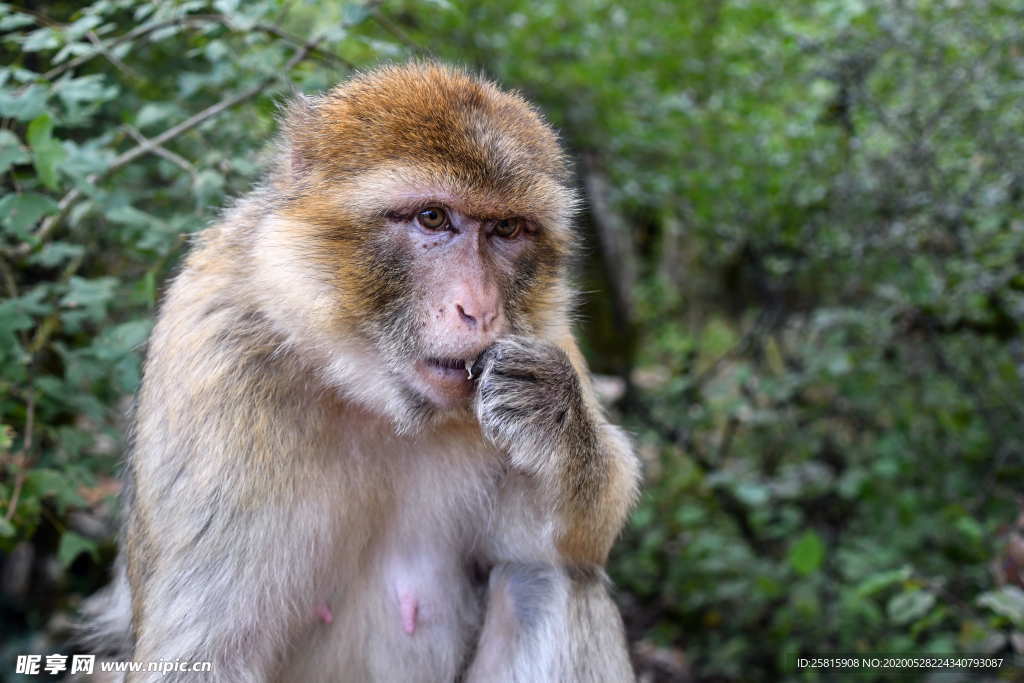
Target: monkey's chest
[(412, 617), (404, 604)]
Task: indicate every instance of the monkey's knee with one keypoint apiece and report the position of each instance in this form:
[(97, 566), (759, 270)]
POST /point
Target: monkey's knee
[(548, 623), (528, 598), (526, 604), (522, 596)]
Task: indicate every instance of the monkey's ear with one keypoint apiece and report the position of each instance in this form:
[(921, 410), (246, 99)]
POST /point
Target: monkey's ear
[(297, 117)]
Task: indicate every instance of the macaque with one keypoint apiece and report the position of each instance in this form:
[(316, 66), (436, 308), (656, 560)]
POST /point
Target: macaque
[(1009, 564), (366, 447)]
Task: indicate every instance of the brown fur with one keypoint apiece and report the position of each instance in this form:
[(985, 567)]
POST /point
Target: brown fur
[(284, 457)]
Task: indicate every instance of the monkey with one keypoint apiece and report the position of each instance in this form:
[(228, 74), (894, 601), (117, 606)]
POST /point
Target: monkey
[(366, 446), (1008, 567)]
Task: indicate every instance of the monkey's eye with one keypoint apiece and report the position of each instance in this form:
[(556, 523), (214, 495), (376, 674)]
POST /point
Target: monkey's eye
[(432, 218), (508, 228)]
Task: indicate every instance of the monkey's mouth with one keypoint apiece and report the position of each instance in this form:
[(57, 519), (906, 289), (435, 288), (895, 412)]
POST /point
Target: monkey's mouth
[(459, 366), (447, 380)]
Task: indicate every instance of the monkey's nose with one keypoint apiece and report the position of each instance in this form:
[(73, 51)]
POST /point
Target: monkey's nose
[(477, 317)]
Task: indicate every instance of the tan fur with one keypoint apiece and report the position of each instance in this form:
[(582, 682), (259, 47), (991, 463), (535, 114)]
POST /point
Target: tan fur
[(282, 463)]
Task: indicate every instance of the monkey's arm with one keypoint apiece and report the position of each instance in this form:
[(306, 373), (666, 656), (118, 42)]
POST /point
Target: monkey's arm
[(573, 477), (535, 402), (214, 509)]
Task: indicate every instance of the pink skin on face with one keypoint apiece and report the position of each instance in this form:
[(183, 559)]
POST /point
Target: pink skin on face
[(458, 265)]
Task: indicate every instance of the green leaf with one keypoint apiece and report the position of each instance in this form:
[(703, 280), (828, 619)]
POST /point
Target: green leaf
[(129, 215), (717, 337), (882, 580), (155, 113), (970, 528), (90, 295), (911, 605), (92, 89), (807, 553), (13, 21), (56, 253), (124, 338), (42, 482), (226, 6), (23, 105), (7, 529), (19, 212), (40, 39), (11, 151), (72, 545), (752, 493), (355, 13), (47, 152), (1008, 601), (71, 50), (85, 159), (209, 187), (78, 28)]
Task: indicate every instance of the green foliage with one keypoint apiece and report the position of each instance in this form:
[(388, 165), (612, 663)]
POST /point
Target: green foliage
[(819, 204), (807, 553)]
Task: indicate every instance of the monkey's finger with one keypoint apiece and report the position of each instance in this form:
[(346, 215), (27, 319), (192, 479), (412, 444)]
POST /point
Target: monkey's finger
[(484, 362)]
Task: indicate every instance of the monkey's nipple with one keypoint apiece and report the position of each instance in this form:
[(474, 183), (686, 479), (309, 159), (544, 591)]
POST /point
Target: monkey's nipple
[(408, 608), (323, 610)]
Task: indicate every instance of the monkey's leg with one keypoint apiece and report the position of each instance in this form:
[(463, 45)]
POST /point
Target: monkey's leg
[(544, 623)]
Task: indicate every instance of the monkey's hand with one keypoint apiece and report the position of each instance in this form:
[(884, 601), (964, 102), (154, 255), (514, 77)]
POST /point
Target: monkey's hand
[(532, 404), (529, 402)]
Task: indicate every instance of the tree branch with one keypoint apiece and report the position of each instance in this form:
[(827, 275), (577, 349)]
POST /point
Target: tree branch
[(136, 32), (163, 152), (111, 57), (193, 20), (51, 223), (21, 459)]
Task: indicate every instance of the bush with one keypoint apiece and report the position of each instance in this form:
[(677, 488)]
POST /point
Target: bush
[(806, 265)]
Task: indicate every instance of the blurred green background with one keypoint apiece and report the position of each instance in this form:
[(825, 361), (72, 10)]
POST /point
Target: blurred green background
[(804, 278)]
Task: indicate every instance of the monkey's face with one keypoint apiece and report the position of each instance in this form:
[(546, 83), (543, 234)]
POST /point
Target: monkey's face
[(433, 210), (437, 272), (456, 269)]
